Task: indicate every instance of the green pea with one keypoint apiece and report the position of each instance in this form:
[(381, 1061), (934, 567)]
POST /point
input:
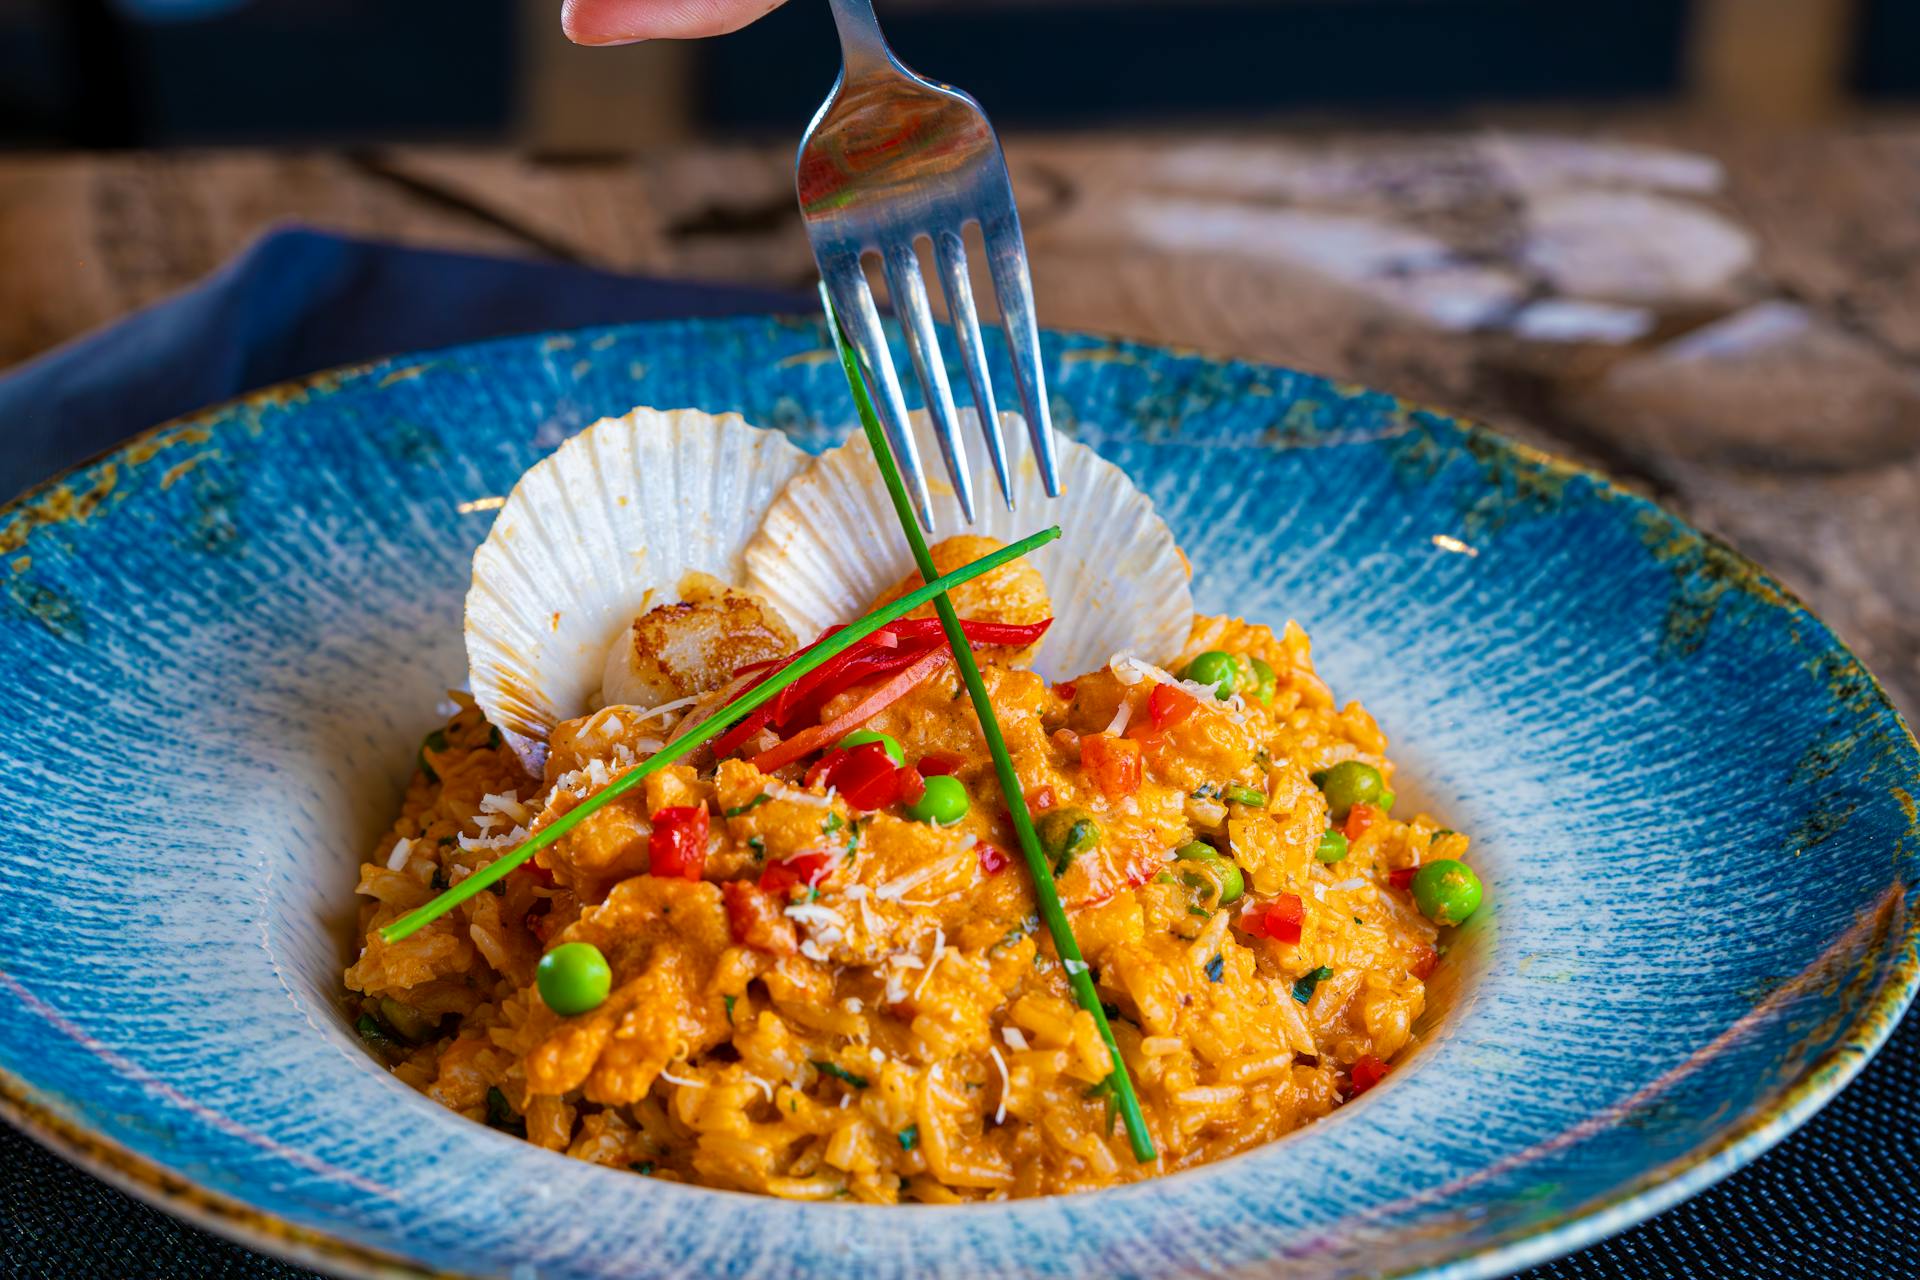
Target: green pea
[(1263, 682), (1447, 892), (1247, 796), (1215, 668), (943, 803), (1332, 848), (1224, 873), (886, 741), (1349, 783), (573, 978), (1065, 834)]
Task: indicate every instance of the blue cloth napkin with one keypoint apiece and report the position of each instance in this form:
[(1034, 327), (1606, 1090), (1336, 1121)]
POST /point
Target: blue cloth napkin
[(298, 301), (1841, 1197)]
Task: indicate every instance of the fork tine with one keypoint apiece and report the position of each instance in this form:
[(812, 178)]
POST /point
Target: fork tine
[(854, 301), (923, 341), (1007, 257), (951, 253)]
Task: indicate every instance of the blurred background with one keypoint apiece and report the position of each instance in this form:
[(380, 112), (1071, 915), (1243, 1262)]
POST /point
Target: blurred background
[(148, 73), (1676, 239)]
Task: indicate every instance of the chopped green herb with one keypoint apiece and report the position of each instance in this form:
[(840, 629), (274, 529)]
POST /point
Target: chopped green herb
[(1303, 989), (502, 1116), (439, 882), (759, 846), (493, 737), (1358, 920), (643, 1166), (436, 742), (1202, 912), (1217, 969), (728, 1000), (838, 1072), (750, 805), (1206, 791), (445, 841), (1109, 1008), (1263, 758), (909, 1136), (376, 1036), (832, 824), (1247, 796)]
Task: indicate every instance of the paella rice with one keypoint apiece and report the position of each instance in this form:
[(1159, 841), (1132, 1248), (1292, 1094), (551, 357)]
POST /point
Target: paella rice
[(825, 977)]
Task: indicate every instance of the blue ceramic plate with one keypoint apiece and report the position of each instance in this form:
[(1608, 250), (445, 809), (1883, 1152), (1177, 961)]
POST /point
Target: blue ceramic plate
[(1693, 810)]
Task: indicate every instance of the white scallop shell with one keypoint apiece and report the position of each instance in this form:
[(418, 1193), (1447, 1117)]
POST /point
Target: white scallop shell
[(831, 544), (628, 506)]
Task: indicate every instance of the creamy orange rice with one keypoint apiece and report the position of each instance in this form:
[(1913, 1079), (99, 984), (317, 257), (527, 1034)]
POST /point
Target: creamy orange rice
[(882, 1017)]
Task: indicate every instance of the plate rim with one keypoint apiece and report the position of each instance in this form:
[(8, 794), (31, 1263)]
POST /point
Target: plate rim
[(1657, 1189)]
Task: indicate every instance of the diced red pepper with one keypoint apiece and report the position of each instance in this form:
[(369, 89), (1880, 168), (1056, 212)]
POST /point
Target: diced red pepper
[(993, 859), (865, 776), (1364, 1074), (1065, 691), (1279, 919), (1113, 764), (1167, 706), (1403, 878), (1424, 960), (939, 762), (803, 869), (754, 919), (678, 845), (1359, 818), (537, 873)]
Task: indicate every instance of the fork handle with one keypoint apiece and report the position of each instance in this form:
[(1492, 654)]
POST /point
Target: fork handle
[(862, 47)]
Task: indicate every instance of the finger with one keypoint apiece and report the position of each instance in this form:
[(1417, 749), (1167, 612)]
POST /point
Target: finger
[(624, 21)]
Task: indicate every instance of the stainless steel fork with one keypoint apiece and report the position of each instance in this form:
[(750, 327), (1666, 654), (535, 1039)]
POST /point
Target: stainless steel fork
[(888, 159)]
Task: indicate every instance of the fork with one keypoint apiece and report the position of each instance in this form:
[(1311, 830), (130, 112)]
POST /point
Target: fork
[(890, 158)]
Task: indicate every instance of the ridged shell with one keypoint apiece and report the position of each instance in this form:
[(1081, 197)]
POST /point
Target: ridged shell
[(628, 506), (831, 544)]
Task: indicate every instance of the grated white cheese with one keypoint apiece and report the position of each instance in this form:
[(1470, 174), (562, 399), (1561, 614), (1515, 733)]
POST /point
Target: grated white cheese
[(1006, 1084), (813, 913), (933, 962), (611, 726), (1118, 725), (1016, 1038), (402, 849), (803, 797), (1351, 882), (507, 803), (666, 707), (685, 1084)]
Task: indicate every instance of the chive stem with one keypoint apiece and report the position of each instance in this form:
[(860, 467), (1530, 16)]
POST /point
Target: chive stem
[(718, 722), (1038, 868)]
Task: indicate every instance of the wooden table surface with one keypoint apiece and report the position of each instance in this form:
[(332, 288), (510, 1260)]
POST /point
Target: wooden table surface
[(1729, 322)]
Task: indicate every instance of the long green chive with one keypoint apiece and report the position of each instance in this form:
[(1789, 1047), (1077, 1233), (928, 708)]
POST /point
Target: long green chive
[(1119, 1084), (734, 711)]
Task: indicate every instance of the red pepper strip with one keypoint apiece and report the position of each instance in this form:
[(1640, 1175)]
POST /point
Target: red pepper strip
[(1279, 919), (1403, 878), (846, 722), (1366, 1073), (1008, 633), (811, 692), (678, 845)]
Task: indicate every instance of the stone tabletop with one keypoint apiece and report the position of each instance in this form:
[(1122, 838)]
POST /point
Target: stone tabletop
[(1728, 322)]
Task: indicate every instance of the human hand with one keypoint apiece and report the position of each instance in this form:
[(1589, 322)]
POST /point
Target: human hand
[(625, 21)]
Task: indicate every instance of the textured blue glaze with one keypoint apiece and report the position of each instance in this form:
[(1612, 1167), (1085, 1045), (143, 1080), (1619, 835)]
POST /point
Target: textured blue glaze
[(1689, 804)]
